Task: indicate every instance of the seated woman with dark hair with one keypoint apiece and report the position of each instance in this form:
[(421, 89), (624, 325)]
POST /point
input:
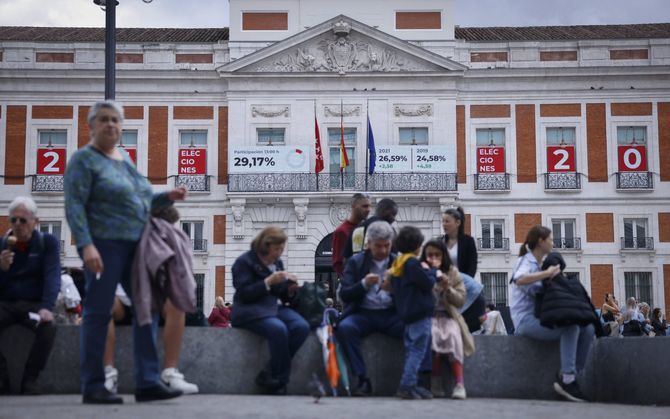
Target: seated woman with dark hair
[(260, 282)]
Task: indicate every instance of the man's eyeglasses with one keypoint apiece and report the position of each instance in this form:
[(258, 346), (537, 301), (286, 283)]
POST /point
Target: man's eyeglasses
[(20, 220)]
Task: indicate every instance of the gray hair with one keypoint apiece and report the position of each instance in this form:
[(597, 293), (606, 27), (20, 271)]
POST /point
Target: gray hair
[(23, 201), (105, 104), (379, 230)]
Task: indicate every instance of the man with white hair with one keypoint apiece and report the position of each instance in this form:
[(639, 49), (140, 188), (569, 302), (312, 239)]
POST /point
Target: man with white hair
[(29, 285), (369, 307)]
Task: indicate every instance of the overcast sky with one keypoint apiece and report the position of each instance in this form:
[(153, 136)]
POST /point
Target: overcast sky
[(214, 13)]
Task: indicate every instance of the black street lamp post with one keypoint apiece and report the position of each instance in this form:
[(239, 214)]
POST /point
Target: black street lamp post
[(110, 45)]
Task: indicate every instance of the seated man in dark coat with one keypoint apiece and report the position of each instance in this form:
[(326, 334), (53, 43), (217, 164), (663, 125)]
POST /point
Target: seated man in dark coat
[(368, 307), (29, 285)]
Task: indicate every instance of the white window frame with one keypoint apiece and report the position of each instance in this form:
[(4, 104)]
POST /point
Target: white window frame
[(259, 144), (33, 140), (491, 221), (507, 277), (493, 123), (174, 144), (191, 235), (398, 126), (653, 159), (580, 145), (357, 148)]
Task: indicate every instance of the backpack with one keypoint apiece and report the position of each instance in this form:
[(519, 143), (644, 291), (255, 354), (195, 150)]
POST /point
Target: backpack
[(310, 302)]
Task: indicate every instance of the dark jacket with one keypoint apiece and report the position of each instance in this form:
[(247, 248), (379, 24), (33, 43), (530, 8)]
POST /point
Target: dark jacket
[(359, 231), (352, 292), (413, 292), (34, 275), (252, 300), (467, 254), (565, 301)]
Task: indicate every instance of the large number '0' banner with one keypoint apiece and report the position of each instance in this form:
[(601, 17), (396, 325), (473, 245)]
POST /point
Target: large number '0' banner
[(632, 158), (51, 161)]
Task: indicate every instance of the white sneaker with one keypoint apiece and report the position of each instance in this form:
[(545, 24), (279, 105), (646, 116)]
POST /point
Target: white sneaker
[(172, 378), (459, 392), (111, 379)]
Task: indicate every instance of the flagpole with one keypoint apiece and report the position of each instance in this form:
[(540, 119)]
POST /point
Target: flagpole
[(367, 141), (341, 142), (317, 173)]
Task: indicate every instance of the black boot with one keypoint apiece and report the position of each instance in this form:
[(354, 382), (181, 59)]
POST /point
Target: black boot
[(364, 388)]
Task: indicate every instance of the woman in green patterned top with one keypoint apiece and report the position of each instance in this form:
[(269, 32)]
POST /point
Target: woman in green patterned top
[(107, 204)]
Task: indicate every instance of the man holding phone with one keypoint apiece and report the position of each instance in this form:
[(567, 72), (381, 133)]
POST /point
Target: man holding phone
[(29, 284), (369, 306)]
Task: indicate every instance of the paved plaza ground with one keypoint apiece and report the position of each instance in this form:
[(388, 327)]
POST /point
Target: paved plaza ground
[(294, 407)]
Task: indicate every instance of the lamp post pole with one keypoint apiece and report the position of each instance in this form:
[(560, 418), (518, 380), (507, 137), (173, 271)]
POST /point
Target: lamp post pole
[(110, 50)]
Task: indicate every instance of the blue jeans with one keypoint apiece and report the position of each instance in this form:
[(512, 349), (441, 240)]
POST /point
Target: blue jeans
[(365, 322), (417, 340), (285, 334), (575, 341), (117, 258)]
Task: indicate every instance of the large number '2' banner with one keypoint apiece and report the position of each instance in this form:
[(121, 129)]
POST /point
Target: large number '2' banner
[(632, 158), (561, 159), (51, 161)]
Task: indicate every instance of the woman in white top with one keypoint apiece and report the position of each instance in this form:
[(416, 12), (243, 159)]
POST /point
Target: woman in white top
[(575, 340)]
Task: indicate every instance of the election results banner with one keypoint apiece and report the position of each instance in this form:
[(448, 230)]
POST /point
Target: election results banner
[(269, 159), (398, 159)]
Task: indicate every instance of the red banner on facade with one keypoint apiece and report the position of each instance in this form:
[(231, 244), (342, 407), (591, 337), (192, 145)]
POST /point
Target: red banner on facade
[(192, 161), (632, 158), (132, 153), (51, 161), (490, 160), (561, 159)]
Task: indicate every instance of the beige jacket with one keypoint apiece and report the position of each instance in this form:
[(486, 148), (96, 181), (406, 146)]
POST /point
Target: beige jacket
[(162, 268), (449, 299)]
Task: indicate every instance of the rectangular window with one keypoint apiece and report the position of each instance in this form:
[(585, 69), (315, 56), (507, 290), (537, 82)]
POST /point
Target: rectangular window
[(560, 136), (192, 138), (491, 137), (51, 227), (413, 136), (639, 285), (564, 233), (53, 138), (349, 174), (492, 234), (495, 288), (129, 143), (194, 230), (270, 136), (635, 233), (631, 135), (199, 291)]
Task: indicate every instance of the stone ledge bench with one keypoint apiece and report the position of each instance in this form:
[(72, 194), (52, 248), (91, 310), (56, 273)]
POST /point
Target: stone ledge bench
[(226, 361)]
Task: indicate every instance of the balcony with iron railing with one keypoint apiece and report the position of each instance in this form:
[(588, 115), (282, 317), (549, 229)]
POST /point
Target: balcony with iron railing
[(199, 245), (329, 182), (193, 183), (493, 245), (574, 243), (637, 243), (493, 182), (564, 181), (632, 181), (47, 183)]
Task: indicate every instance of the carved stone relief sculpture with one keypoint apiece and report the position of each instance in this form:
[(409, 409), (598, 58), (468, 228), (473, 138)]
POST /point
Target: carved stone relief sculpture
[(413, 110), (270, 112)]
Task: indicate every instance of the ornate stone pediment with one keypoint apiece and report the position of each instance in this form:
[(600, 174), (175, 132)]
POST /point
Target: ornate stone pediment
[(342, 54), (341, 46)]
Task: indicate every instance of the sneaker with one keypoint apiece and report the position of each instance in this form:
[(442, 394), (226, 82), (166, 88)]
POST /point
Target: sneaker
[(407, 393), (172, 378), (364, 388), (111, 379), (437, 387), (570, 391), (459, 392), (424, 393)]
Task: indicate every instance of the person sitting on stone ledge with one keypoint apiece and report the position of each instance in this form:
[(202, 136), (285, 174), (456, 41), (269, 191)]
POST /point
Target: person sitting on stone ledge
[(220, 315), (260, 282), (368, 308), (29, 284)]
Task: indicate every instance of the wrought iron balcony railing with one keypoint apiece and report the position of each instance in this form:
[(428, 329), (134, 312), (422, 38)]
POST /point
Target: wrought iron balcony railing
[(199, 246), (310, 182), (47, 183), (568, 244), (492, 182), (637, 243), (634, 180), (193, 183), (562, 181), (499, 244), (62, 247)]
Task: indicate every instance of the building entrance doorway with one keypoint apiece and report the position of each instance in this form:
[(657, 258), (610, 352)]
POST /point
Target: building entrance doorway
[(324, 273)]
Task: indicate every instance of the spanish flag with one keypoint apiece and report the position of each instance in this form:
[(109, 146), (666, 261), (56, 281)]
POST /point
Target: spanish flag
[(344, 159)]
